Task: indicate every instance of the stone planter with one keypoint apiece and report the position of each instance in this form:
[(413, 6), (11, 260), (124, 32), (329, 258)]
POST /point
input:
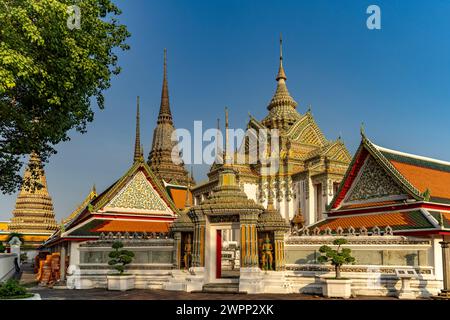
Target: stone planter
[(36, 296), (337, 288), (122, 283)]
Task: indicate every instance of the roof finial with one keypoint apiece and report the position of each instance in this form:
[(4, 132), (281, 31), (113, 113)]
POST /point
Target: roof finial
[(362, 130), (94, 190), (137, 142), (217, 139), (165, 115), (225, 157), (281, 74), (281, 46)]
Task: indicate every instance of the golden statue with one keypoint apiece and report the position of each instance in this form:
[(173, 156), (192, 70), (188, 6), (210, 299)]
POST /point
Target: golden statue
[(267, 257), (187, 252)]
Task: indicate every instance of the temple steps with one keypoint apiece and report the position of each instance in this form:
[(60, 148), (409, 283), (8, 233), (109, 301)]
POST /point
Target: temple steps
[(223, 288)]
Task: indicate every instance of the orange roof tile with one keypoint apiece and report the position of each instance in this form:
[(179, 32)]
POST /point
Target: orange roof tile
[(396, 220), (132, 226), (179, 197), (438, 182)]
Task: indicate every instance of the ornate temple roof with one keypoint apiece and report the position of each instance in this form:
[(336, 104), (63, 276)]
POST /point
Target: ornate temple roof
[(34, 208), (420, 178), (91, 196), (384, 187), (398, 221), (164, 158), (95, 226)]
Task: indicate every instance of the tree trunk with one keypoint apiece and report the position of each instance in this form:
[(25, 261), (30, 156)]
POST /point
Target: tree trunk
[(338, 271)]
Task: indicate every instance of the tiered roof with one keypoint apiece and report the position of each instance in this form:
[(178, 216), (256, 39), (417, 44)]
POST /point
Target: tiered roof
[(387, 188)]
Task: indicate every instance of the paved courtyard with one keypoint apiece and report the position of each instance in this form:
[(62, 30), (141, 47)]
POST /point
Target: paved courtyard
[(102, 294)]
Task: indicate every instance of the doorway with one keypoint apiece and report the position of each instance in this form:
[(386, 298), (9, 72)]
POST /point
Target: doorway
[(223, 253)]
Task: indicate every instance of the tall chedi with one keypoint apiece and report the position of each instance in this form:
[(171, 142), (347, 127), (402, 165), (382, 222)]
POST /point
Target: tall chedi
[(282, 107), (164, 158), (33, 214)]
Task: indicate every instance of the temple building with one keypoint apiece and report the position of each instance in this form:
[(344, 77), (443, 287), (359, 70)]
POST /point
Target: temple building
[(394, 193), (310, 167), (33, 216), (137, 203)]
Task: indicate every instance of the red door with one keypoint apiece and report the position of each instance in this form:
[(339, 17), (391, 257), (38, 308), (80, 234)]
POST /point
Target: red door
[(219, 254)]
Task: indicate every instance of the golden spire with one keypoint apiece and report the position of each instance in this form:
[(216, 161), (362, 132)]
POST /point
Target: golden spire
[(165, 115), (282, 103), (137, 142), (217, 140), (281, 74), (226, 151)]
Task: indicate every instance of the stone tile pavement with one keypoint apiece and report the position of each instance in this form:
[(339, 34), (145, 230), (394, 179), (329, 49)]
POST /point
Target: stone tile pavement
[(103, 294)]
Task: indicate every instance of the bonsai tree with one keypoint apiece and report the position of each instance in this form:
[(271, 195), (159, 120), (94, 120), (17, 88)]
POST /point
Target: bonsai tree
[(119, 257), (337, 257), (11, 289)]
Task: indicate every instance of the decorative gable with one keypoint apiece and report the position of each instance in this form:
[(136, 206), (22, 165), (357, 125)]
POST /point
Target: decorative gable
[(139, 195), (373, 182)]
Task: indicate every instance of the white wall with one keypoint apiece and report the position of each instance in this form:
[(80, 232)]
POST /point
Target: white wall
[(7, 268)]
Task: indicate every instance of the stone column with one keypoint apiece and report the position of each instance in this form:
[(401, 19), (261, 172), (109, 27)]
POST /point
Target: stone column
[(279, 250), (446, 268), (177, 250), (198, 256), (62, 260), (249, 241)]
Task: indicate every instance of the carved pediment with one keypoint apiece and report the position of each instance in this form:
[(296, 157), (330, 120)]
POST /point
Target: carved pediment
[(138, 194), (373, 182)]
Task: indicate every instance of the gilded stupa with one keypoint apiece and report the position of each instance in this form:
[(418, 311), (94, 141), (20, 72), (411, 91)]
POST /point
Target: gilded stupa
[(33, 214)]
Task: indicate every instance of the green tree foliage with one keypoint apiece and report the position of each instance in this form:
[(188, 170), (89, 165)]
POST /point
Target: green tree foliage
[(337, 257), (2, 248), (120, 258), (49, 74)]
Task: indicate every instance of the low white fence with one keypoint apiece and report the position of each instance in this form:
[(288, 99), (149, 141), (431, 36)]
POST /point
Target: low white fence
[(7, 268)]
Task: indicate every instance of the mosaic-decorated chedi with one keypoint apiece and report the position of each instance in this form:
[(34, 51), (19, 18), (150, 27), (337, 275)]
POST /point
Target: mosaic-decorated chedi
[(33, 215), (164, 158)]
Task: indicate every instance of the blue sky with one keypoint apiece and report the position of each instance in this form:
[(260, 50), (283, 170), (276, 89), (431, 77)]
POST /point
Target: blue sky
[(225, 53)]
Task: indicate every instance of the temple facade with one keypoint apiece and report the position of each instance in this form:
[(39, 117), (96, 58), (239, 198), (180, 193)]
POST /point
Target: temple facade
[(310, 167)]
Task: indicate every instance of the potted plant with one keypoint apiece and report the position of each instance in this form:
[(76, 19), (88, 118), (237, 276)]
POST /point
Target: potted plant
[(12, 290), (337, 287), (119, 259)]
